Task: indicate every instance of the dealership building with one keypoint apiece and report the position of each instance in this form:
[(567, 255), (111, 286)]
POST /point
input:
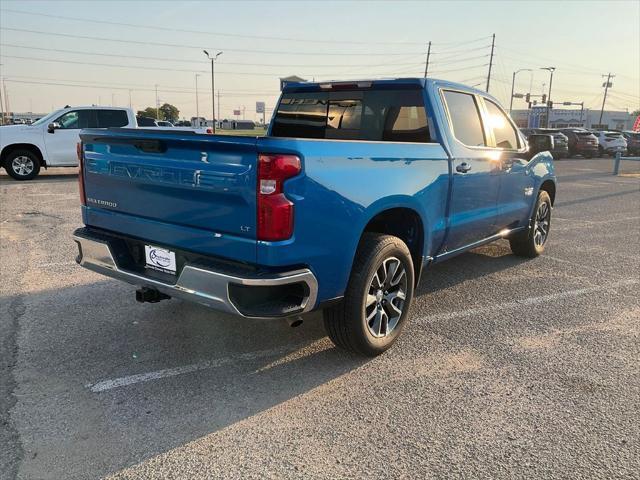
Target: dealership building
[(562, 118)]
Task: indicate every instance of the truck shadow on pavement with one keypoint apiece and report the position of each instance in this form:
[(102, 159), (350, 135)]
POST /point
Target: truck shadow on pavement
[(477, 263), (75, 337)]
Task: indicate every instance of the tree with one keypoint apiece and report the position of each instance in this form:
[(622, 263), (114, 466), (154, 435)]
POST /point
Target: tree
[(169, 112), (147, 112), (165, 112), (635, 113)]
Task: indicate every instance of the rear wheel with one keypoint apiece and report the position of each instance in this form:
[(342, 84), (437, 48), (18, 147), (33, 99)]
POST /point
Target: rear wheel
[(376, 302), (531, 243), (22, 164)]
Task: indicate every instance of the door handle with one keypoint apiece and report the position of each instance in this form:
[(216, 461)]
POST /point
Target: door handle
[(463, 167)]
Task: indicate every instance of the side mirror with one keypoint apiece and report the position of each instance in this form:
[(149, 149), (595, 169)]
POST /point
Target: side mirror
[(52, 127), (540, 143)]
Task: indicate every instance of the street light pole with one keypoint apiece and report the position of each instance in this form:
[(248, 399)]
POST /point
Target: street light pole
[(551, 70), (213, 86), (197, 108), (513, 83)]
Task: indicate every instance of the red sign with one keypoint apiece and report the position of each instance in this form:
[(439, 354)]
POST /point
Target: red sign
[(236, 112), (636, 124)]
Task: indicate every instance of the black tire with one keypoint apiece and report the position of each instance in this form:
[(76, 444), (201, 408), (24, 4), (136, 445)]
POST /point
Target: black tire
[(22, 164), (531, 242), (347, 324)]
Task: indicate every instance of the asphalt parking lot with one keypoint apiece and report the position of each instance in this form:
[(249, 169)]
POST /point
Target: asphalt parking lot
[(510, 368)]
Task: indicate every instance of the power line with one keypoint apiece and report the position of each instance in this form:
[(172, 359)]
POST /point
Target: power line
[(199, 47), (165, 69), (134, 86), (181, 60), (460, 69), (113, 87), (203, 32)]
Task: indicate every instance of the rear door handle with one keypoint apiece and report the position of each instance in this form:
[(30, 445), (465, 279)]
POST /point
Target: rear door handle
[(463, 167)]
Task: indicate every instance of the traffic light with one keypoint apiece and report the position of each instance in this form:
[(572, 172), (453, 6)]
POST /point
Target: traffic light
[(544, 98), (527, 98), (550, 104)]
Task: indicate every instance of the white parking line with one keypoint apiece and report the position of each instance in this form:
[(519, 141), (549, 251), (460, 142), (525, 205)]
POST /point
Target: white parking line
[(526, 302), (104, 385), (195, 367)]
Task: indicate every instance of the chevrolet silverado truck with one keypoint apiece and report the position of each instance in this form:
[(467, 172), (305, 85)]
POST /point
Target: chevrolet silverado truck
[(51, 141), (357, 188)]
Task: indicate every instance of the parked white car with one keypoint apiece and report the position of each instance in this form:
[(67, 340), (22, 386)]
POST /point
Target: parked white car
[(611, 142), (51, 141)]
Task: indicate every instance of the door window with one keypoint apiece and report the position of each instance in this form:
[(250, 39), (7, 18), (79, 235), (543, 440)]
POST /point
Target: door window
[(465, 118), (112, 118), (503, 131), (76, 119)]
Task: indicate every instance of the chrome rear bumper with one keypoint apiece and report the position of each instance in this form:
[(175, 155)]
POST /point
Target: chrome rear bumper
[(197, 284)]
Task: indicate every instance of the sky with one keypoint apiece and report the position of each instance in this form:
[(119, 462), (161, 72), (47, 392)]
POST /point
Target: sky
[(54, 53)]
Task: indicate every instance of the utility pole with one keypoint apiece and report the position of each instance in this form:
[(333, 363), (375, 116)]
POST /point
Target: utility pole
[(493, 44), (219, 105), (606, 89), (130, 100), (197, 108), (426, 65), (157, 104), (213, 86)]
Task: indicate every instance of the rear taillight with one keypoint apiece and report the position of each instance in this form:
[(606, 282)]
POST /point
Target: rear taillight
[(210, 131), (83, 198), (275, 211)]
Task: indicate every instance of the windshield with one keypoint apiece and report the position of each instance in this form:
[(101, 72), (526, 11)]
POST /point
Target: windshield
[(47, 118)]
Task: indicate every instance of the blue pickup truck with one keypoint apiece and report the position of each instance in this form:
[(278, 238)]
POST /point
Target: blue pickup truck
[(355, 190)]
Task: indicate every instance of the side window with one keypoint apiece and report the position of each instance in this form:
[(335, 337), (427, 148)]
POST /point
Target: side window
[(112, 118), (76, 119), (465, 118), (406, 124), (503, 131)]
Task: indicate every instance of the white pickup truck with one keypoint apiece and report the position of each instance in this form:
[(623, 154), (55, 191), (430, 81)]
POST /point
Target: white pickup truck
[(51, 141)]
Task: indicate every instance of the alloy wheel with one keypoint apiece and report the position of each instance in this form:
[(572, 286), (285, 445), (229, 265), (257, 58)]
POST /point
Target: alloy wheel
[(22, 165), (385, 298), (542, 223)]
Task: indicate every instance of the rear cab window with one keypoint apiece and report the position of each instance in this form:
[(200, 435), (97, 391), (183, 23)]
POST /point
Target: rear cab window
[(374, 115)]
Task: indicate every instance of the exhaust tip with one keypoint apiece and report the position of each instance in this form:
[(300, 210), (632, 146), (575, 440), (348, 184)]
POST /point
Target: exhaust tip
[(294, 321)]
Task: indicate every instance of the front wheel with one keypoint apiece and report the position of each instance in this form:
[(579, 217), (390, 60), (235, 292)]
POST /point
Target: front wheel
[(22, 164), (376, 303), (531, 243)]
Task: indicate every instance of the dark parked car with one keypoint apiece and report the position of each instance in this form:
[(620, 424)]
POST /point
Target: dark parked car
[(581, 142), (560, 141), (633, 142)]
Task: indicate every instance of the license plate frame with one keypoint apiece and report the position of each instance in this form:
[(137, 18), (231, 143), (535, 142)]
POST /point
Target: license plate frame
[(160, 259)]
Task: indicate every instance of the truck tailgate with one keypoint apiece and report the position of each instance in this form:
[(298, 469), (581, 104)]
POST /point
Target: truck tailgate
[(190, 191)]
